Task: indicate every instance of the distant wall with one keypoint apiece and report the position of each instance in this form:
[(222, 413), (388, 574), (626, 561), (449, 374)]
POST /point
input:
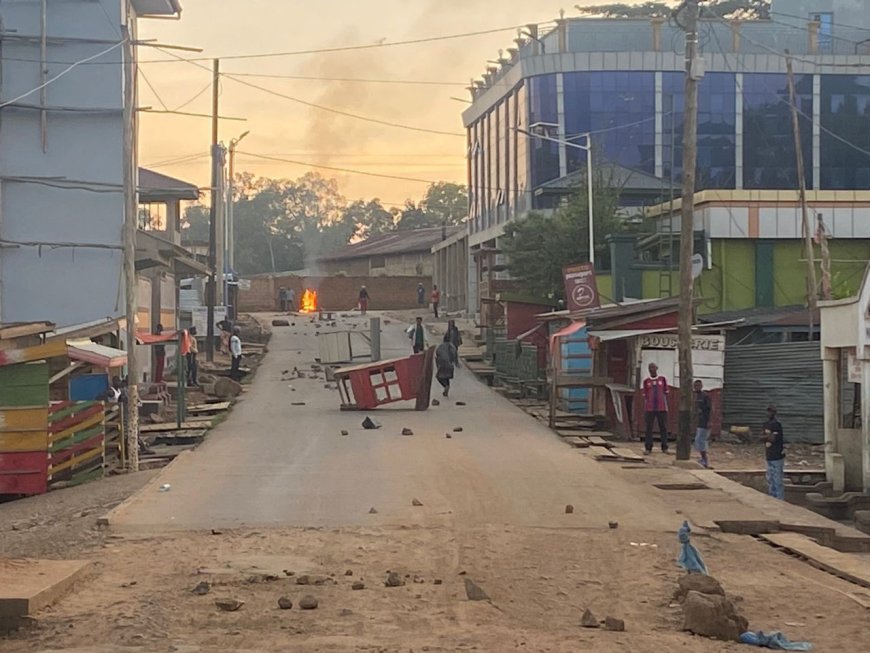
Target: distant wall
[(335, 293)]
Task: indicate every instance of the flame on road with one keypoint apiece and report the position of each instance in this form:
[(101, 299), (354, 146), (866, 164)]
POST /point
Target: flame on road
[(309, 301)]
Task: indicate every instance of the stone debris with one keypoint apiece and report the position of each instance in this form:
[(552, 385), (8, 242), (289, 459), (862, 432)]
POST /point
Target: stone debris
[(358, 585), (279, 323), (369, 423), (407, 431), (437, 581), (229, 605), (714, 616), (588, 620), (474, 592), (202, 588), (448, 436), (343, 432), (284, 603), (569, 509), (225, 388), (287, 572), (435, 402), (308, 602), (614, 624), (304, 579), (700, 583), (613, 524), (394, 580), (458, 429), (298, 403), (416, 503), (460, 403), (349, 572), (372, 511)]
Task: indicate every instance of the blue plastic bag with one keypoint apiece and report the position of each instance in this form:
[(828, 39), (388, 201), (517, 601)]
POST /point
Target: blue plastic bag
[(776, 641), (689, 558)]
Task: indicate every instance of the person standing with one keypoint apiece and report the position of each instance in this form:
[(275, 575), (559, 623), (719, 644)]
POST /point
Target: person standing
[(455, 337), (236, 354), (703, 409), (774, 444), (363, 300), (445, 359), (192, 352), (417, 335), (436, 300), (291, 300), (421, 295), (655, 406), (159, 357), (282, 299)]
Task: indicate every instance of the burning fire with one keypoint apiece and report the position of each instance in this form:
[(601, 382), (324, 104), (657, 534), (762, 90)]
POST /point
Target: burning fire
[(309, 301)]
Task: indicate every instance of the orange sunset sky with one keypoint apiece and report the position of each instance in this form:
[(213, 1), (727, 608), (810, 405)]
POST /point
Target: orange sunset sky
[(285, 129)]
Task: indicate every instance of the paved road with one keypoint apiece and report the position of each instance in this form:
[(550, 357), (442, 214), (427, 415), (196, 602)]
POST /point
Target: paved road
[(273, 463)]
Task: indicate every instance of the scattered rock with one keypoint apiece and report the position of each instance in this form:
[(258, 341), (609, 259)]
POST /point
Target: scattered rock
[(435, 402), (474, 592), (349, 572), (614, 624), (358, 585), (343, 432), (448, 436), (569, 509), (460, 403), (712, 615), (308, 602), (700, 583), (372, 511), (202, 588), (225, 388), (437, 581), (298, 403), (407, 431), (287, 572), (285, 323), (345, 612), (284, 603), (228, 605), (416, 503), (304, 579), (394, 580), (613, 524), (458, 429), (369, 423), (215, 531), (588, 620)]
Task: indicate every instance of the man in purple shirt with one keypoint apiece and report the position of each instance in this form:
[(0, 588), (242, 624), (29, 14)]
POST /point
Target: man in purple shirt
[(655, 407)]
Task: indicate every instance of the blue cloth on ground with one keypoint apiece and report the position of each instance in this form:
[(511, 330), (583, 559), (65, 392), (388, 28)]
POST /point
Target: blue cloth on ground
[(776, 641), (689, 558)]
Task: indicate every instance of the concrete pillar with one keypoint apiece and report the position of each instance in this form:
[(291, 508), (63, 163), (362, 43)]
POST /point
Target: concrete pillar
[(735, 35), (560, 107), (817, 132), (865, 423), (657, 33), (831, 381), (562, 27), (738, 129), (813, 36)]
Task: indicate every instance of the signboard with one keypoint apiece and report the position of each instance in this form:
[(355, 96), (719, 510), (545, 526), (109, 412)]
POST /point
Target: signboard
[(670, 340), (244, 284), (581, 293), (200, 319)]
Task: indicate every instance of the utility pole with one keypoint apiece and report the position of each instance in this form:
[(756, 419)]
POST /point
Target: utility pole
[(130, 228), (812, 297), (231, 217), (213, 217), (822, 235), (694, 72)]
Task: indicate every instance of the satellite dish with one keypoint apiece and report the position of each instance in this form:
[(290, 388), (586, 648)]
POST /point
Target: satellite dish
[(697, 265)]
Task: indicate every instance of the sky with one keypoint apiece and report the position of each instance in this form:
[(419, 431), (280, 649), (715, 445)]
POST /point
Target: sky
[(284, 129)]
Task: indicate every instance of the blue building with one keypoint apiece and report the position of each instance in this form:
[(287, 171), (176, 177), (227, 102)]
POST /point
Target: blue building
[(622, 80)]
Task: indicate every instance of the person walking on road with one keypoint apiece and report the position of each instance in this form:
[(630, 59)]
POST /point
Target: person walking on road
[(417, 335), (445, 359), (236, 353), (655, 406), (421, 295), (775, 454), (703, 408), (455, 337), (363, 300), (436, 300), (192, 364)]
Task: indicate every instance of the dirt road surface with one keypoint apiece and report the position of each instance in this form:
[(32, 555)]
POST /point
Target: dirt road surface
[(276, 493)]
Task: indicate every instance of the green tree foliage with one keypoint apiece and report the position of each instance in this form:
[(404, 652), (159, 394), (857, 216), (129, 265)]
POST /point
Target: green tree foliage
[(540, 246), (370, 218), (446, 202), (721, 8)]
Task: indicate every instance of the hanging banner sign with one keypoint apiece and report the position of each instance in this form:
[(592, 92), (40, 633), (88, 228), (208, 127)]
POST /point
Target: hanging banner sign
[(581, 293)]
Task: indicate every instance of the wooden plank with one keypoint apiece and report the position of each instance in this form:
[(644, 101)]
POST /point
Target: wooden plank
[(851, 567), (37, 353), (209, 408), (579, 443), (595, 441), (172, 426), (27, 586), (24, 329), (627, 455), (23, 441), (23, 419)]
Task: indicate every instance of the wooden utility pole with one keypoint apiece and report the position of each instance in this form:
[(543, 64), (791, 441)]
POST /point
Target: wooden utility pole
[(812, 297), (694, 72), (213, 217), (822, 235), (130, 228)]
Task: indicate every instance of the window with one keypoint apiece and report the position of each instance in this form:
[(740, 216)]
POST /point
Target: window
[(845, 109), (826, 30), (152, 216), (378, 262)]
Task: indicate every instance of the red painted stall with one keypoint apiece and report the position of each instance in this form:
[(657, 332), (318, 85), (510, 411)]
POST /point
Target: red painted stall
[(363, 387)]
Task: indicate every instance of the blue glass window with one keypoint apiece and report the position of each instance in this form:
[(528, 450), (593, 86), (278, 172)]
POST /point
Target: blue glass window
[(543, 108), (845, 110)]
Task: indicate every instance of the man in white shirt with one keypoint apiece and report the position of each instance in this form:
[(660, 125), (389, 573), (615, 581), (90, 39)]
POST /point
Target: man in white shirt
[(236, 353)]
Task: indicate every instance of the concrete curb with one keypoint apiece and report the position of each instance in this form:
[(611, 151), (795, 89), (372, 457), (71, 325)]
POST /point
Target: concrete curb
[(105, 521)]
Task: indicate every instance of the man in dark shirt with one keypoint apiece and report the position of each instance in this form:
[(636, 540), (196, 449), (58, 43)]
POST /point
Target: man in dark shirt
[(417, 335), (703, 408), (655, 407), (774, 446)]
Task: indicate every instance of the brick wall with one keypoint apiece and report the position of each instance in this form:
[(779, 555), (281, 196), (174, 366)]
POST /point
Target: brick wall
[(335, 293)]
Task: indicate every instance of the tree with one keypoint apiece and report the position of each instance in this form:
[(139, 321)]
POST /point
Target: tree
[(370, 218), (446, 202), (194, 226), (540, 246), (721, 8), (413, 216)]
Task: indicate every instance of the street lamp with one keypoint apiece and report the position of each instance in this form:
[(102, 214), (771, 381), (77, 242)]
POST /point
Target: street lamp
[(543, 126), (231, 226)]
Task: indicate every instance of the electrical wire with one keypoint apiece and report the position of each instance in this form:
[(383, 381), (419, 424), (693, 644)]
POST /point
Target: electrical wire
[(336, 169), (64, 72), (153, 90), (194, 98), (361, 80), (805, 19)]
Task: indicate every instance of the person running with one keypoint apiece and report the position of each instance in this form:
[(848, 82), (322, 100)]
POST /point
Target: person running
[(436, 300), (445, 359), (655, 406), (363, 300), (455, 337), (703, 408), (417, 335), (236, 353), (774, 444)]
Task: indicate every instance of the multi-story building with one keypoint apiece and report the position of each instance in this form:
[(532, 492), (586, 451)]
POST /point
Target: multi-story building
[(62, 104), (622, 81)]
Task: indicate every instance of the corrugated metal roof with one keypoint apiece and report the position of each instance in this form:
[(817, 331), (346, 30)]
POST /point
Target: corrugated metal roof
[(100, 355), (154, 187), (395, 242), (782, 316)]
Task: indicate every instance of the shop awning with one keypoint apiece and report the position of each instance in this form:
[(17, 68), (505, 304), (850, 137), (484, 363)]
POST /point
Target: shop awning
[(90, 352), (622, 334), (146, 338)]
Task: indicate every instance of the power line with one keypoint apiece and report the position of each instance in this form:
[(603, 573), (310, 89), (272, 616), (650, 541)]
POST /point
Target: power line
[(194, 98), (151, 86), (805, 19), (337, 169), (361, 80)]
